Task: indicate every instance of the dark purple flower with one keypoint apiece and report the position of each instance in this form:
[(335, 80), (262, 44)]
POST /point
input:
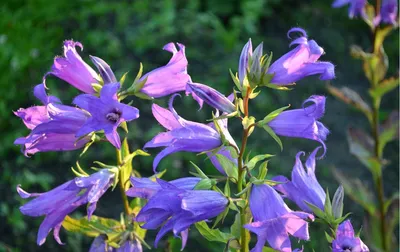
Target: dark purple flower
[(53, 126), (346, 241), (64, 199), (107, 113), (170, 78), (100, 245), (301, 62), (304, 185), (145, 188), (212, 97), (72, 69), (357, 7), (274, 221), (303, 122), (183, 135), (178, 209), (388, 13)]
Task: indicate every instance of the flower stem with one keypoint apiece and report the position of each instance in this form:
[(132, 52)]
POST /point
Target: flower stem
[(244, 243), (121, 185)]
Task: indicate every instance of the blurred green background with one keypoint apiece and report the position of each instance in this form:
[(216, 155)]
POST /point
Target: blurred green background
[(125, 33)]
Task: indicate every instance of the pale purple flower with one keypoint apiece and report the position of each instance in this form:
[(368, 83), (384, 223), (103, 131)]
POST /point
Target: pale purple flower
[(107, 75), (357, 7), (53, 126), (170, 78), (72, 69), (304, 186), (107, 113), (100, 245), (183, 135), (177, 209), (300, 62), (303, 122), (346, 241), (273, 221), (64, 199), (212, 97), (388, 13)]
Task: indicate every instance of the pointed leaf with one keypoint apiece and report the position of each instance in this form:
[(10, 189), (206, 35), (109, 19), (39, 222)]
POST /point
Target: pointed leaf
[(92, 228), (273, 135), (253, 162), (272, 115), (212, 234), (228, 165), (389, 130)]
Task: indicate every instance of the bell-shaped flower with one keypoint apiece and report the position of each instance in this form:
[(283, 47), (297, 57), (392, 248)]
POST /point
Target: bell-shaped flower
[(212, 97), (177, 209), (300, 62), (357, 7), (346, 240), (145, 188), (99, 245), (170, 78), (107, 113), (53, 126), (304, 186), (64, 199), (388, 13), (72, 69), (183, 135), (274, 221), (303, 122)]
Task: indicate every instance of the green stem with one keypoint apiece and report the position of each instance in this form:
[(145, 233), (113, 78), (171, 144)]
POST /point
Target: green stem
[(121, 185)]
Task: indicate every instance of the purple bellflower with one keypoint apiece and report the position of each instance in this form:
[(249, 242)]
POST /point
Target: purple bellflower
[(64, 199), (170, 78), (72, 69), (346, 241), (53, 126), (107, 113), (178, 209), (304, 185), (246, 53), (100, 245), (183, 135), (357, 7), (212, 97), (303, 122), (274, 221), (388, 13), (301, 62)]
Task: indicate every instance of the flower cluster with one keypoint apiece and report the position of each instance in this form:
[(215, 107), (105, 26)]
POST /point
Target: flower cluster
[(179, 204)]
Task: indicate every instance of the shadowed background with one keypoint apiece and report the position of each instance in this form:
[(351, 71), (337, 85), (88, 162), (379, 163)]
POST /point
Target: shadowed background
[(125, 33)]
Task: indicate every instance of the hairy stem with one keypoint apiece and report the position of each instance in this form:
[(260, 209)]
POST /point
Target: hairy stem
[(121, 185)]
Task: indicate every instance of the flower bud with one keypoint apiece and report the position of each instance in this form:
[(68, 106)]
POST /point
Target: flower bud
[(337, 203)]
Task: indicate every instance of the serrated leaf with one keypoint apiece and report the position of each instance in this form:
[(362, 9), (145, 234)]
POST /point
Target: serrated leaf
[(253, 162), (95, 227), (272, 115), (212, 234), (273, 135)]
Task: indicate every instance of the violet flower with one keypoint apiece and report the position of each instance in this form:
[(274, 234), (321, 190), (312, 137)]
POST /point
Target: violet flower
[(246, 53), (388, 13), (357, 7), (72, 69), (303, 122), (64, 199), (183, 135), (170, 78), (212, 97), (53, 126), (304, 185), (100, 245), (346, 241), (274, 221), (178, 209), (107, 113), (300, 62)]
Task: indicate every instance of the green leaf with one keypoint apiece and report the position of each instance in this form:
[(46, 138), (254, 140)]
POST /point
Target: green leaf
[(253, 162), (337, 202), (272, 115), (328, 204), (139, 75), (247, 122), (389, 131), (273, 135), (236, 80), (94, 227), (235, 228), (228, 165), (204, 184), (384, 87), (328, 237), (199, 171), (143, 96), (212, 234), (318, 212), (266, 249), (123, 78), (126, 168), (227, 189), (221, 217), (263, 170), (380, 35)]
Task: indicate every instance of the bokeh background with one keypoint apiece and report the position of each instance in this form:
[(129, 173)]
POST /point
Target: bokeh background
[(125, 33)]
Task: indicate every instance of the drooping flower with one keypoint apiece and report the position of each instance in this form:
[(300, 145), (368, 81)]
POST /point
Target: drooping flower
[(183, 135), (72, 69), (346, 240), (64, 199), (304, 185), (303, 122), (388, 13), (170, 78), (274, 221), (107, 113), (212, 97), (300, 62), (357, 7), (100, 245), (53, 126), (178, 209)]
